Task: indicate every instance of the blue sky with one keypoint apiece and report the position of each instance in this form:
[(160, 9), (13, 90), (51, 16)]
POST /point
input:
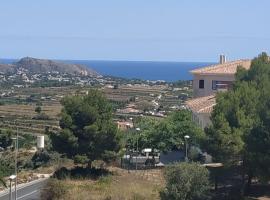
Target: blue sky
[(167, 30)]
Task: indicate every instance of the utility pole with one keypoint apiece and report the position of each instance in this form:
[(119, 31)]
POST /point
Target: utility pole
[(16, 162), (137, 129), (16, 140)]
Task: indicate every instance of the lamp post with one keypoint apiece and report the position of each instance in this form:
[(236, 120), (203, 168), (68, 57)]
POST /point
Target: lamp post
[(127, 151), (137, 129), (16, 139), (131, 119), (40, 145), (11, 178), (186, 140)]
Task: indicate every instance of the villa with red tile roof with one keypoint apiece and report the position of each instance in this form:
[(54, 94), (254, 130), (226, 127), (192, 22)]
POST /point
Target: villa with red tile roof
[(207, 81)]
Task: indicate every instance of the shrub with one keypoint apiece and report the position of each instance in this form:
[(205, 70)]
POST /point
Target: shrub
[(81, 159), (43, 158), (40, 158), (186, 181), (62, 173), (80, 172), (41, 116), (38, 109), (54, 189)]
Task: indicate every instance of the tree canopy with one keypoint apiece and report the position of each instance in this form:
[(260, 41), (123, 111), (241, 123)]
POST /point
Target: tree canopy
[(186, 181), (5, 138), (87, 128), (166, 134), (240, 128)]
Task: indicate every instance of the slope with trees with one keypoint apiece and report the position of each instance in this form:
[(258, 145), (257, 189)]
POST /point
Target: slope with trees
[(166, 134), (88, 132)]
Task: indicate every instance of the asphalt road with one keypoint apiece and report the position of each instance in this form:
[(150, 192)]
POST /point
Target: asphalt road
[(28, 191)]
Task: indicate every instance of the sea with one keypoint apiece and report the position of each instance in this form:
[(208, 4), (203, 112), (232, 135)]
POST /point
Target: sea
[(146, 70)]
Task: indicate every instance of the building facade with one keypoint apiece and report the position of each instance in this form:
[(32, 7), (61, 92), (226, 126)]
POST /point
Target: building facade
[(207, 81)]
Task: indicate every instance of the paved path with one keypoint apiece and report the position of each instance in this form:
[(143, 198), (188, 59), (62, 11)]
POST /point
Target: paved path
[(27, 191)]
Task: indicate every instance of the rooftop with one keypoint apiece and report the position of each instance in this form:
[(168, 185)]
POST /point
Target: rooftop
[(202, 104), (225, 68)]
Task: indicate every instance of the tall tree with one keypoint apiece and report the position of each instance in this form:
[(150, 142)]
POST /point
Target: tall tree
[(87, 128), (240, 128)]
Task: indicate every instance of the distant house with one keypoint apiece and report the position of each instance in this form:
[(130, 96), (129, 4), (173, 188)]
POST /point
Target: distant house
[(124, 125), (129, 111), (209, 80)]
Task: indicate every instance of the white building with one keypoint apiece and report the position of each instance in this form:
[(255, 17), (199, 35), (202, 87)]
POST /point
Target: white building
[(209, 80)]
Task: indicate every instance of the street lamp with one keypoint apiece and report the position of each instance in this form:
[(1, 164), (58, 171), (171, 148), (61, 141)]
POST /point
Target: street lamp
[(186, 140), (137, 129), (127, 157), (16, 139), (11, 178), (131, 119), (40, 145)]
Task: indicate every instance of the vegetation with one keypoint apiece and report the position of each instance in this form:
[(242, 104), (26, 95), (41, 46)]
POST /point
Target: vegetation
[(118, 185), (186, 181), (241, 129), (5, 170), (166, 134), (43, 158), (87, 129), (38, 109), (5, 138), (239, 137)]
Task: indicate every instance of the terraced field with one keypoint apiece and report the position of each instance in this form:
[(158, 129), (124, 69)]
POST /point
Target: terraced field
[(17, 110), (162, 95), (22, 117)]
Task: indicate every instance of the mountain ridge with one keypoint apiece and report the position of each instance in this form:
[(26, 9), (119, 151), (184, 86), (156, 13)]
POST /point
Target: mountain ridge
[(43, 66)]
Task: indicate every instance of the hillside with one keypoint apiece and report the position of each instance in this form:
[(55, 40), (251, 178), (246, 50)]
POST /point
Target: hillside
[(35, 66), (7, 68)]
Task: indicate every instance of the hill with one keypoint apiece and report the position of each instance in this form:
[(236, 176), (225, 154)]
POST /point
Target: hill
[(7, 68), (43, 66)]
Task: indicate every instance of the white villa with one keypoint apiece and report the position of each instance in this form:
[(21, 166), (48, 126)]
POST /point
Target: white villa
[(207, 81)]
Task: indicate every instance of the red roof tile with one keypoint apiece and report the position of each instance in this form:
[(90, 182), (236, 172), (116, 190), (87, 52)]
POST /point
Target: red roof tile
[(226, 68), (202, 104)]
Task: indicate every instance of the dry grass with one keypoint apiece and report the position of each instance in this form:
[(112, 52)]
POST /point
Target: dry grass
[(29, 110), (119, 186)]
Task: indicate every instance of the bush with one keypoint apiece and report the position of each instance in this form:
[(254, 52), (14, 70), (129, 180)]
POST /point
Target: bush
[(38, 109), (40, 158), (54, 189), (43, 158), (186, 181), (62, 174), (81, 159), (41, 116), (80, 173), (5, 138)]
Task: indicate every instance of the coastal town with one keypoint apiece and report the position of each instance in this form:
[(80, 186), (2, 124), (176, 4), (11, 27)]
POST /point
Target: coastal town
[(34, 110), (134, 100)]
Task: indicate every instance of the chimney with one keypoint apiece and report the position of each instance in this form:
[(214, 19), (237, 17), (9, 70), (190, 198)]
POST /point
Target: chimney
[(222, 59)]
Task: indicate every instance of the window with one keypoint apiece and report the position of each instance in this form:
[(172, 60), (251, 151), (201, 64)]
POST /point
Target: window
[(223, 85), (201, 84)]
